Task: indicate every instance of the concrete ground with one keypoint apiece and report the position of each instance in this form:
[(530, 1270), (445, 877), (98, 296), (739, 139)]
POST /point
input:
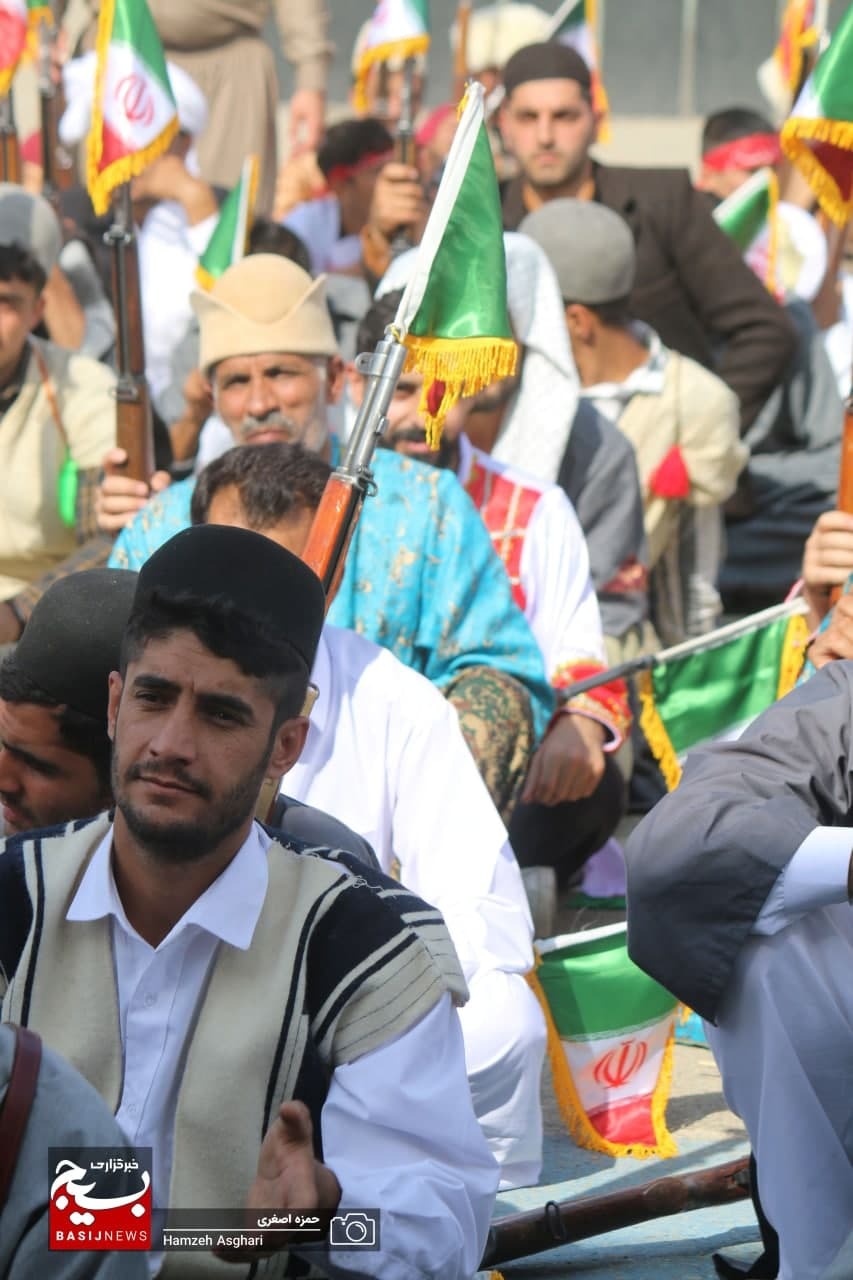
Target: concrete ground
[(706, 1133)]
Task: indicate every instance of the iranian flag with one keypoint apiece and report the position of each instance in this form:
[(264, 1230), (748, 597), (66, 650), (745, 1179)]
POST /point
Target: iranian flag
[(230, 238), (17, 18), (817, 137), (134, 117), (749, 217), (712, 687), (398, 29), (611, 1031), (453, 313), (574, 24)]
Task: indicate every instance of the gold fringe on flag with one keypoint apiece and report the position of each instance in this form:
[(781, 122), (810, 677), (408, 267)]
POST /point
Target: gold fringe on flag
[(401, 49), (793, 656), (797, 133), (101, 184), (464, 365), (572, 1109), (655, 733)]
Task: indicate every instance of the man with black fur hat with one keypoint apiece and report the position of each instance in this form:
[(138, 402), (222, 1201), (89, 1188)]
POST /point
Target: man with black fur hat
[(54, 748), (691, 285), (150, 931)]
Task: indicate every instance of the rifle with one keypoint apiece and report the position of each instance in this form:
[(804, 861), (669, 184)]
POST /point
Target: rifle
[(134, 429), (404, 148), (564, 1221), (713, 639), (10, 156), (343, 497), (57, 165), (351, 482)]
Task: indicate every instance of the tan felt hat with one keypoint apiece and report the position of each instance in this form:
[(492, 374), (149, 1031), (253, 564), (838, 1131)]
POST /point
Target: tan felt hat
[(264, 303)]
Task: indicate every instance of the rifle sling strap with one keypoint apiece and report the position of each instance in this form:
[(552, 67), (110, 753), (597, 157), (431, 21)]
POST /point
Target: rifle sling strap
[(16, 1105)]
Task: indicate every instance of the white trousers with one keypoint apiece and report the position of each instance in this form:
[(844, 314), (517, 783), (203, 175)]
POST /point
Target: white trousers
[(784, 1046), (504, 1033)]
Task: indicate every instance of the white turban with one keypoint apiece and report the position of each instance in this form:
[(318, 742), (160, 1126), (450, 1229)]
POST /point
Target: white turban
[(78, 82)]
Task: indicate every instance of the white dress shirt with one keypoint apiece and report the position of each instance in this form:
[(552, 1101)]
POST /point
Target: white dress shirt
[(398, 1128), (385, 755)]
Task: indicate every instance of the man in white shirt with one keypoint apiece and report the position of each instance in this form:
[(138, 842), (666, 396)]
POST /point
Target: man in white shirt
[(384, 752), (739, 888), (180, 949)]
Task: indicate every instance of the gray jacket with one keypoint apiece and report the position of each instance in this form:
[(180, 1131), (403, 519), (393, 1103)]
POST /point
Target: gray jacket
[(702, 863), (66, 1111)]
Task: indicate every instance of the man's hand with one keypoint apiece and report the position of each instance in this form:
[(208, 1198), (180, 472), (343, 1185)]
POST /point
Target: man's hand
[(119, 498), (569, 764), (306, 117), (837, 640), (299, 179), (168, 178), (288, 1177), (827, 560), (398, 201)]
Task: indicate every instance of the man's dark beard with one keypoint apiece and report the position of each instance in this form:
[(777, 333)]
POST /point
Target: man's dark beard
[(183, 842), (448, 450)]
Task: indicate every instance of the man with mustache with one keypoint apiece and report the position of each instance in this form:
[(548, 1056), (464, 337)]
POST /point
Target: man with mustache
[(215, 985), (421, 577)]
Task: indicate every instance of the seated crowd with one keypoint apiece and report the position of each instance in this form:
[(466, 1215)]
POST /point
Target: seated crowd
[(281, 859)]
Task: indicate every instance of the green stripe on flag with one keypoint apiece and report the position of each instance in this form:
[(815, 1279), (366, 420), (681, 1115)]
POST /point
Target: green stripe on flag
[(594, 989), (134, 26), (465, 296), (709, 693), (744, 214)]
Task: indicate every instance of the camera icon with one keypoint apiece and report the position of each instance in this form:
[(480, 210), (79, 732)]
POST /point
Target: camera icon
[(353, 1230)]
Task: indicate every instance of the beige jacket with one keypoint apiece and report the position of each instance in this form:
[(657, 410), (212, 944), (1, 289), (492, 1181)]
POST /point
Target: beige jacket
[(79, 391), (697, 412)]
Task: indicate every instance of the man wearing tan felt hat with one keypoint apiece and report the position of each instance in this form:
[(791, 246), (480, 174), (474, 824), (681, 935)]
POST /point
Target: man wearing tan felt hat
[(421, 577)]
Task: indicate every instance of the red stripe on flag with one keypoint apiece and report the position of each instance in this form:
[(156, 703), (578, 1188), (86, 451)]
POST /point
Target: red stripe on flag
[(838, 163), (115, 148), (628, 1122)]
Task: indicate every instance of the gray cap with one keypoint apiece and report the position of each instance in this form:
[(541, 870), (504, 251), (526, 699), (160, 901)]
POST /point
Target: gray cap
[(589, 246), (29, 221)]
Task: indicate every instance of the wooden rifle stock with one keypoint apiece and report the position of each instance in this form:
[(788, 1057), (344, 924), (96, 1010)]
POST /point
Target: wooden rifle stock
[(134, 429), (559, 1223), (331, 531), (10, 155), (334, 523)]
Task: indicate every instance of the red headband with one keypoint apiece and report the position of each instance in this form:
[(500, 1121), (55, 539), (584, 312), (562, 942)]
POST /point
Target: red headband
[(752, 152), (343, 172)]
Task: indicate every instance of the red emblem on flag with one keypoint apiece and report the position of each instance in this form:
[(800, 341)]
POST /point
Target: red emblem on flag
[(616, 1067), (135, 99)]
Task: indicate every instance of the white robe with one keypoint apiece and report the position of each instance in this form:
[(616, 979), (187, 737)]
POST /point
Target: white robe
[(386, 756)]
